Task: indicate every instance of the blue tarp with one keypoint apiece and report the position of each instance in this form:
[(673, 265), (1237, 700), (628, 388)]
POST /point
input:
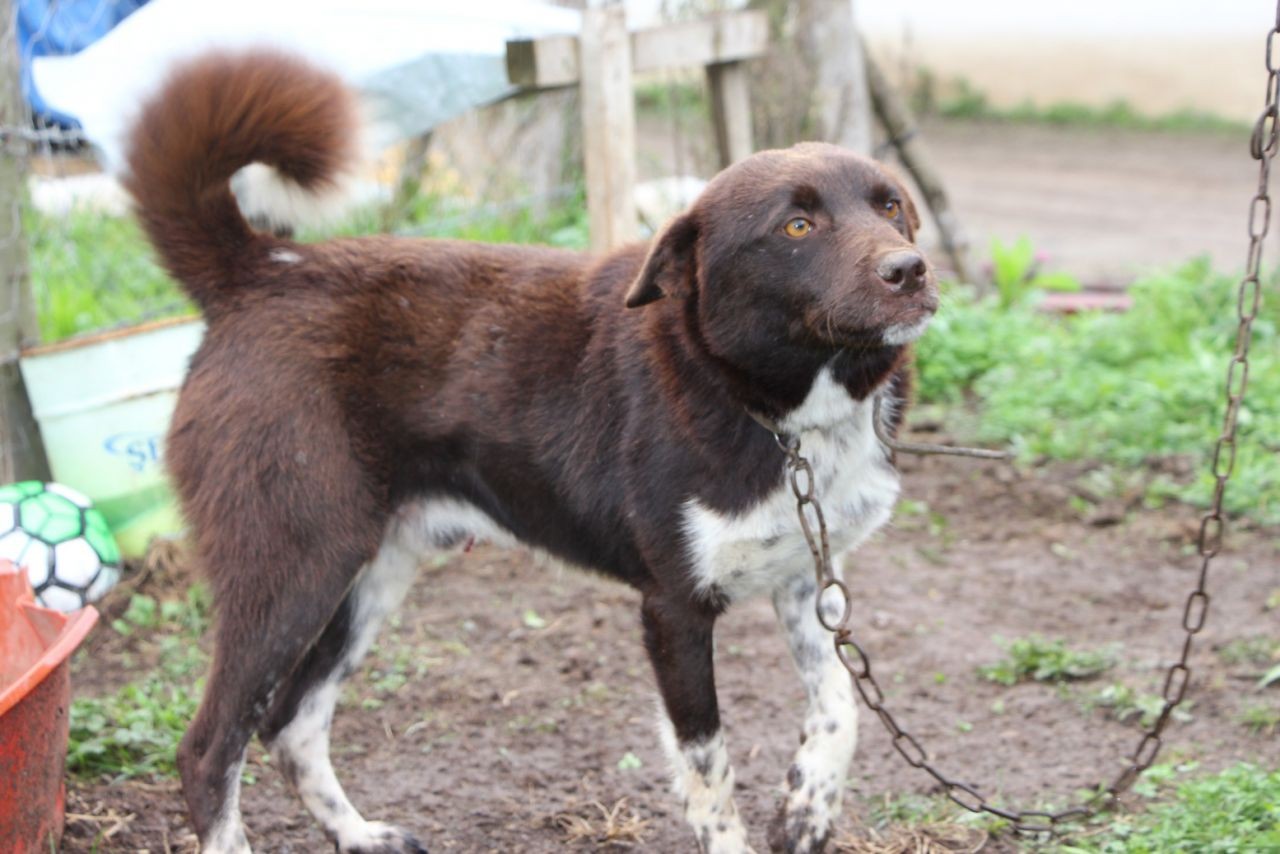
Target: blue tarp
[(62, 28)]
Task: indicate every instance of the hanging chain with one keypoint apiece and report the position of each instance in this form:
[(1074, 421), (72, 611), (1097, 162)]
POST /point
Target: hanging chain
[(1263, 146)]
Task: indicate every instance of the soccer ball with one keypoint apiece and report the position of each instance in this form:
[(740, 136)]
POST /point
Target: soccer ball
[(65, 544)]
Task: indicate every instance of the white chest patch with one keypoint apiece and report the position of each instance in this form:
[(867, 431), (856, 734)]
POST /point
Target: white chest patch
[(753, 552)]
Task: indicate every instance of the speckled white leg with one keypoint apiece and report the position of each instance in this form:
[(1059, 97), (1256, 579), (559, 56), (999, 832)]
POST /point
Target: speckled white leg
[(703, 780), (815, 780), (302, 747)]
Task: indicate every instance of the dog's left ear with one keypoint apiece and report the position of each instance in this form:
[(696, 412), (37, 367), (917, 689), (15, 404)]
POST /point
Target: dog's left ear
[(670, 266)]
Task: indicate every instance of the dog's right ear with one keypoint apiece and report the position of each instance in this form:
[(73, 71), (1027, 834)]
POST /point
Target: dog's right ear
[(670, 267)]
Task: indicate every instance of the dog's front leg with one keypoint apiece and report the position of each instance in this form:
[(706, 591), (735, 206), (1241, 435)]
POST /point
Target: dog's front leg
[(815, 780), (677, 634)]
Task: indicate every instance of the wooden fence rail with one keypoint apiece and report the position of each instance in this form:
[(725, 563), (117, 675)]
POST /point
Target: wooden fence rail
[(602, 61)]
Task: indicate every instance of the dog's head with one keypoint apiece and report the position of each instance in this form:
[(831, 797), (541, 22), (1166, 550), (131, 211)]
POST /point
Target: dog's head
[(809, 247)]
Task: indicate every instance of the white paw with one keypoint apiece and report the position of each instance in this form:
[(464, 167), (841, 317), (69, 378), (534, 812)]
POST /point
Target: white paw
[(376, 837)]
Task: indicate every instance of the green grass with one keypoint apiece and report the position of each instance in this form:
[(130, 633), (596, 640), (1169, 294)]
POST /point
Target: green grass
[(1234, 812), (666, 97), (959, 99), (1125, 704), (1044, 660), (1123, 389), (561, 222), (1256, 651), (91, 272), (134, 732), (1261, 718)]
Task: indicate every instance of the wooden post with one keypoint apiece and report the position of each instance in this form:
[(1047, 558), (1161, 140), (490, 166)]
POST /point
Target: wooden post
[(21, 449), (608, 125), (601, 62), (841, 107), (730, 110)]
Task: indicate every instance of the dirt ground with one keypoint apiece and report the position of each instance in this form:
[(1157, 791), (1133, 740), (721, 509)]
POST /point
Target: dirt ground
[(516, 738), (1104, 205)]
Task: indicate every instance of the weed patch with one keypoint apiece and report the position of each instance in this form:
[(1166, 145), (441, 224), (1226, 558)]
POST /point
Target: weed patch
[(1234, 811), (135, 731), (1125, 704), (1045, 660), (1128, 390), (1261, 719)]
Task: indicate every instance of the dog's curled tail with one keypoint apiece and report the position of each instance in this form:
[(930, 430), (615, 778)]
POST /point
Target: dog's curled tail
[(214, 116)]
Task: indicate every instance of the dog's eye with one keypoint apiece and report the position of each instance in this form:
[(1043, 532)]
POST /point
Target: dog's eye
[(798, 227), (890, 209)]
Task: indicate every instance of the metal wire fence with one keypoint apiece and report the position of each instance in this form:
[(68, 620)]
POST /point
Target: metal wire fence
[(67, 243)]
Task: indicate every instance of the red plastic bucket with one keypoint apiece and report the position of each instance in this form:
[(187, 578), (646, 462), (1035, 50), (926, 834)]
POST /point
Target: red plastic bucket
[(35, 699)]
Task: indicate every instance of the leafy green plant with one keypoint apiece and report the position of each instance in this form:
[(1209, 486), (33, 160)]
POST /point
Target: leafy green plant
[(1044, 660), (135, 731), (1122, 389), (1126, 704), (1261, 719), (1015, 272), (142, 613), (1233, 812), (132, 733), (1254, 651)]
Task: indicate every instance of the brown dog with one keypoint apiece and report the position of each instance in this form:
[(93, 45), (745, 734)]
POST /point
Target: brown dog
[(358, 402)]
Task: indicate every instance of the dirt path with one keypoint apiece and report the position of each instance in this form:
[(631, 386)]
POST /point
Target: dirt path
[(510, 731), (1102, 204)]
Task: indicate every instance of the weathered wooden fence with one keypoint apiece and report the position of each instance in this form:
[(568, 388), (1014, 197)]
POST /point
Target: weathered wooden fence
[(602, 62)]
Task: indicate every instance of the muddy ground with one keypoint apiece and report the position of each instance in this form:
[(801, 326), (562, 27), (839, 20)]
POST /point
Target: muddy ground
[(512, 735)]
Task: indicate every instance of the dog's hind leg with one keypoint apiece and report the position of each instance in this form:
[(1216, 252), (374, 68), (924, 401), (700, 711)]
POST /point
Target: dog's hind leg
[(297, 728), (815, 780), (677, 634), (283, 516), (261, 636)]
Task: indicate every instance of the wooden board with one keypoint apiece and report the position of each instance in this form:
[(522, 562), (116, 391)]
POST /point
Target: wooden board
[(553, 61)]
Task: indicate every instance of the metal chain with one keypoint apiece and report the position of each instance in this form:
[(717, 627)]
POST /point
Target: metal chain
[(1263, 146)]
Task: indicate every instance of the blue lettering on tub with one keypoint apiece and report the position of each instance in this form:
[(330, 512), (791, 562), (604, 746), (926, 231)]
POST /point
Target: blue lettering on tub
[(139, 450)]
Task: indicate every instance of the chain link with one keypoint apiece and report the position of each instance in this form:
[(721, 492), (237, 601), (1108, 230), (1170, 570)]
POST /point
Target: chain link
[(1263, 146)]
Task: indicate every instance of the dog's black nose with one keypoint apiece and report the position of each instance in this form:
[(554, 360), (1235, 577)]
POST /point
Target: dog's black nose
[(906, 270)]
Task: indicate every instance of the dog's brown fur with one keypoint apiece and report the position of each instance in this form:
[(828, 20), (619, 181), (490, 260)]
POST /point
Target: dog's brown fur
[(342, 384)]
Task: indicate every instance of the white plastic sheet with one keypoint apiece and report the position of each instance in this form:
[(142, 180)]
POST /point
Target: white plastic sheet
[(418, 62)]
